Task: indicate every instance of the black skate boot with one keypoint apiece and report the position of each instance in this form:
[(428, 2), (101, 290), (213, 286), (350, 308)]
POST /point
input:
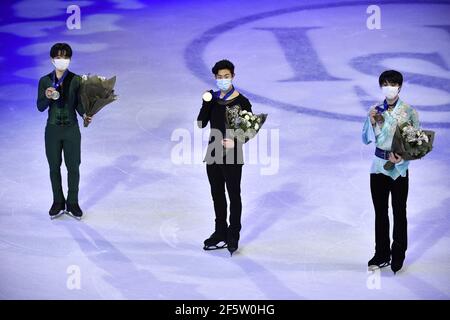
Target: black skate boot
[(378, 262), (232, 241), (57, 209), (398, 256), (216, 241), (74, 210)]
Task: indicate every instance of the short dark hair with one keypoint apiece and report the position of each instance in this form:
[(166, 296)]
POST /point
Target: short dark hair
[(61, 48), (391, 76), (221, 65)]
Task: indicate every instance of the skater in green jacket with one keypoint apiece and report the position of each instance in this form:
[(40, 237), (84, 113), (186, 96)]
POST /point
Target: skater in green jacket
[(59, 92)]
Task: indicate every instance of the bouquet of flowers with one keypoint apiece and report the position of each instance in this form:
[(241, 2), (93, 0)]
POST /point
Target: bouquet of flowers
[(245, 124), (95, 93), (410, 143)]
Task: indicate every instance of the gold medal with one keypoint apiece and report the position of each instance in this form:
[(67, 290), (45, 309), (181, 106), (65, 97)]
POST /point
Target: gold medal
[(207, 96)]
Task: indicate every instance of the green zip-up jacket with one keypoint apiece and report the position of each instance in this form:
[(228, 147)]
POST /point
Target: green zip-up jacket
[(61, 111)]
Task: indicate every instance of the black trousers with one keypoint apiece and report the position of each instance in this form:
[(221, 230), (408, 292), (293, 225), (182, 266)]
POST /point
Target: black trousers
[(68, 140), (219, 176), (381, 186)]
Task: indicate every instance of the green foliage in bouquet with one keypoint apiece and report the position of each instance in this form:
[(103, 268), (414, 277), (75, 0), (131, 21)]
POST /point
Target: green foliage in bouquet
[(95, 93)]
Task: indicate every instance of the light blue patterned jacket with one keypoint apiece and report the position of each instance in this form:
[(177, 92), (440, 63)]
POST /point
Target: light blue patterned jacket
[(383, 135)]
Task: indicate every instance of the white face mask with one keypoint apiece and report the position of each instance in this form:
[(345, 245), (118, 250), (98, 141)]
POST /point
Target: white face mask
[(390, 92), (223, 84), (61, 64)]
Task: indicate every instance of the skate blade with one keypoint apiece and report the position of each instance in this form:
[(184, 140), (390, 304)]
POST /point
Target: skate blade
[(57, 215), (375, 267), (216, 247), (71, 215)]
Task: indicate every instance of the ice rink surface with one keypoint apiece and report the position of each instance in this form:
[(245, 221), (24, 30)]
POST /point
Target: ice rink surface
[(308, 220)]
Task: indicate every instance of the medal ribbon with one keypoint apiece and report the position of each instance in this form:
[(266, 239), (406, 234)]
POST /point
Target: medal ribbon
[(57, 84), (225, 97)]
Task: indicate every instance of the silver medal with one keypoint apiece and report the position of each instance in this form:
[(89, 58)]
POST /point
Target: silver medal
[(55, 95)]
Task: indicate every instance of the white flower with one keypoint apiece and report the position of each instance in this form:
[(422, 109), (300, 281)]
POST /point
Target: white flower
[(84, 77), (243, 111), (247, 117), (256, 126), (102, 78), (419, 142), (253, 117)]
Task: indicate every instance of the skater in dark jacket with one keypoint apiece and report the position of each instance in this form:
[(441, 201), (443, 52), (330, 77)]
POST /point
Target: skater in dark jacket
[(224, 158), (58, 92)]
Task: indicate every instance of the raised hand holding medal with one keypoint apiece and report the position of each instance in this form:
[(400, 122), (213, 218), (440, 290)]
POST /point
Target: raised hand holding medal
[(55, 95), (50, 93)]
